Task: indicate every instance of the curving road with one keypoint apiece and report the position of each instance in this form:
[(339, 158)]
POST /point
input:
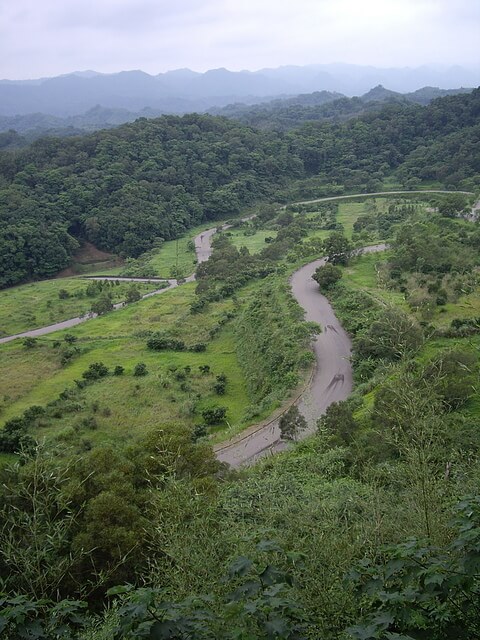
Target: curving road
[(378, 193), (203, 249), (72, 322), (332, 377), (331, 380)]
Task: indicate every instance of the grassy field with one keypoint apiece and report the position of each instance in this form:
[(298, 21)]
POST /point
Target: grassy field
[(349, 212), (253, 243), (366, 273), (38, 304), (171, 254), (175, 252), (124, 406)]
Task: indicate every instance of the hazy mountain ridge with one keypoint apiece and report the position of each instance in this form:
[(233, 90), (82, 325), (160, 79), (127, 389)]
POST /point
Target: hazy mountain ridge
[(279, 112), (292, 112), (184, 90)]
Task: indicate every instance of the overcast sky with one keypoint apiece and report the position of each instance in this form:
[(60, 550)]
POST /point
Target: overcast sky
[(49, 37)]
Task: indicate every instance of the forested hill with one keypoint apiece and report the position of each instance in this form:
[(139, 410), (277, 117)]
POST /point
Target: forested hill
[(126, 188), (289, 113)]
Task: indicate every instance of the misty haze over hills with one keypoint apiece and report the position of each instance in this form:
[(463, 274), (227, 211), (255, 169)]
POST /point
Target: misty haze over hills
[(184, 90), (278, 113)]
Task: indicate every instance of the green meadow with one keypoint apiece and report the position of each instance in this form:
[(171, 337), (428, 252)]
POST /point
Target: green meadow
[(126, 406), (39, 304), (367, 273), (255, 242), (179, 253)]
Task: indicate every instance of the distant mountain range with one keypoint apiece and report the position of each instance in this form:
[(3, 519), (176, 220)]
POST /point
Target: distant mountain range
[(184, 90), (325, 105), (280, 113)]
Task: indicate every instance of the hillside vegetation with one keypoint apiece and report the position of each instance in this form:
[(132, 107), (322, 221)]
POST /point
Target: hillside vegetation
[(312, 539), (128, 189), (116, 519)]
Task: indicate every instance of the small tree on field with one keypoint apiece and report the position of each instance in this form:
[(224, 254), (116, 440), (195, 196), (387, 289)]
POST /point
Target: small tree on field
[(140, 369), (291, 423), (103, 305), (327, 276), (133, 294), (338, 248), (214, 415), (95, 371)]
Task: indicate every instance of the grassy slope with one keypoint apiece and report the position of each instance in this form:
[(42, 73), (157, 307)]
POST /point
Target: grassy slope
[(163, 259), (362, 274), (39, 376), (116, 339), (348, 212), (253, 243), (37, 304)]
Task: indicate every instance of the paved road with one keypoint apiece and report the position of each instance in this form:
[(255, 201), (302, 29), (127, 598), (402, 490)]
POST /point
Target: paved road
[(378, 193), (332, 377), (203, 251), (331, 380), (202, 241), (203, 246)]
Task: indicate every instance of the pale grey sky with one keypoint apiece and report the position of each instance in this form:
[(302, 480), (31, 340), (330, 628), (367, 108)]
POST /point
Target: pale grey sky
[(49, 37)]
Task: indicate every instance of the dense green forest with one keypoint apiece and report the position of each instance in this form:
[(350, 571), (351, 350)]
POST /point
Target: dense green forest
[(128, 189)]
